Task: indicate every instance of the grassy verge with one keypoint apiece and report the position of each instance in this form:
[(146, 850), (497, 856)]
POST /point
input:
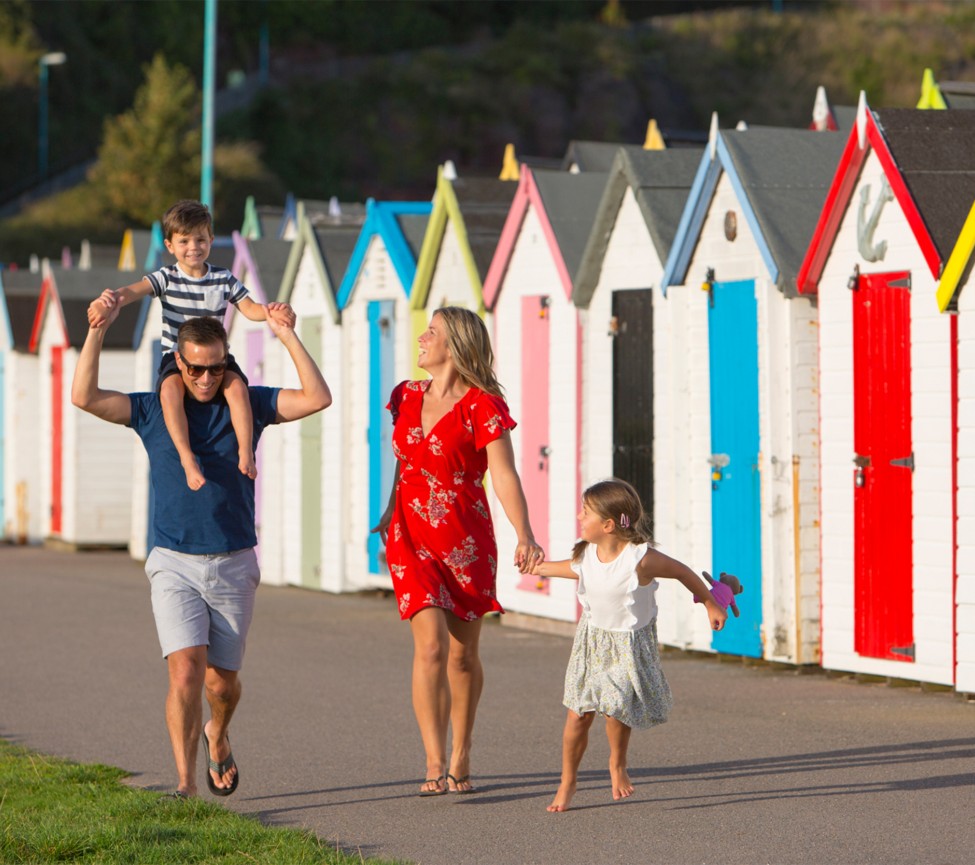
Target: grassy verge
[(55, 811)]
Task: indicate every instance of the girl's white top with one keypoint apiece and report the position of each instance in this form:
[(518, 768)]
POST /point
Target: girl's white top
[(611, 592)]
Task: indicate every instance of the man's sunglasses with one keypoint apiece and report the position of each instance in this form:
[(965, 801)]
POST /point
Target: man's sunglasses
[(195, 370)]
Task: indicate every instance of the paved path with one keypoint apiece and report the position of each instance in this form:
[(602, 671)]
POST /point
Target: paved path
[(755, 765)]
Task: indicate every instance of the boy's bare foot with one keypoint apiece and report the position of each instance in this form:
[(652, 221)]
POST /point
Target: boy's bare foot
[(194, 477), (622, 786), (247, 466), (563, 797)]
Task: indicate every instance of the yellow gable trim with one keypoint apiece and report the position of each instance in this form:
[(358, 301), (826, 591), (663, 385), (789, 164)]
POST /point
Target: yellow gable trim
[(960, 257)]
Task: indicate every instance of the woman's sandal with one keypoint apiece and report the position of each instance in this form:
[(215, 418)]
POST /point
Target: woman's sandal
[(457, 782), (440, 790)]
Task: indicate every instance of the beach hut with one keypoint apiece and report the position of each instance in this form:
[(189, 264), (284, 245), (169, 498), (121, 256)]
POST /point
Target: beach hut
[(373, 300), (537, 341), (465, 224), (308, 540), (899, 198), (627, 354), (20, 508), (85, 465), (262, 220), (742, 396)]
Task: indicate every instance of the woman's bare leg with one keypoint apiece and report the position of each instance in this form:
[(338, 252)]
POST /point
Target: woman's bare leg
[(465, 675), (431, 696)]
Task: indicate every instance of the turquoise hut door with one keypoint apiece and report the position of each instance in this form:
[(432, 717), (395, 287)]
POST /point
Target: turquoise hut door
[(735, 497), (883, 603), (310, 433), (382, 463)]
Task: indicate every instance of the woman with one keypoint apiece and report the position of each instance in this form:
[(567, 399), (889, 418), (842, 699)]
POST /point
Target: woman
[(440, 543)]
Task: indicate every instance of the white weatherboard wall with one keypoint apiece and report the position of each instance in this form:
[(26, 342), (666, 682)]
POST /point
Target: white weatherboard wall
[(451, 281), (965, 589), (531, 271), (284, 446), (787, 381), (931, 434), (377, 280), (22, 463)]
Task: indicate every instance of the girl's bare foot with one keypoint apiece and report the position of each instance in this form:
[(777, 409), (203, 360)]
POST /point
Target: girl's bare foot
[(247, 465), (563, 797), (622, 786), (194, 477)]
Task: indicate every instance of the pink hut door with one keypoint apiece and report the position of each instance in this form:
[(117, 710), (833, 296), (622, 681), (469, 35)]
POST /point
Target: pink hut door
[(535, 448), (883, 466)]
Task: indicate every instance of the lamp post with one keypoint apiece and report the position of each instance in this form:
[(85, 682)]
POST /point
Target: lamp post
[(55, 58)]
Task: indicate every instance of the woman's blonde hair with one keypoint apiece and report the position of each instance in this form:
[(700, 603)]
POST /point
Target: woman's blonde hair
[(470, 348), (616, 500)]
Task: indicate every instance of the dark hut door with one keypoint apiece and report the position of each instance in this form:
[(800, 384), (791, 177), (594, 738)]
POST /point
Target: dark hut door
[(632, 324)]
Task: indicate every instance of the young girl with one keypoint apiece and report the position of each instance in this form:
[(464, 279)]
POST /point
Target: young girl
[(614, 668)]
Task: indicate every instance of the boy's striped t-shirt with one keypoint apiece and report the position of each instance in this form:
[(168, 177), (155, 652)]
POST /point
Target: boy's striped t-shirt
[(184, 297)]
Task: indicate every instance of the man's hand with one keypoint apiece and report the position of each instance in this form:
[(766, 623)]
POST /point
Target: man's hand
[(99, 309)]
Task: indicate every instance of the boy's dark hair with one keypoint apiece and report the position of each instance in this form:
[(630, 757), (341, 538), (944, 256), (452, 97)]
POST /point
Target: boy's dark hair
[(202, 331), (185, 216)]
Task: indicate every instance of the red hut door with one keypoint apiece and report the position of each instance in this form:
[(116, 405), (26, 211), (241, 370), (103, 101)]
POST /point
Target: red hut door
[(883, 466), (57, 435)]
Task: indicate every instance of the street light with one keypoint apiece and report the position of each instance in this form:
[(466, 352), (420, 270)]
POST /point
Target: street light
[(55, 58)]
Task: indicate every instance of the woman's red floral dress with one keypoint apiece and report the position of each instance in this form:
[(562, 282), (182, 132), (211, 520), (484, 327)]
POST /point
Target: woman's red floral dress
[(441, 548)]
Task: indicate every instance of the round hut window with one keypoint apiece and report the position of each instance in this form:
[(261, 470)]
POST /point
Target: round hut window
[(730, 225)]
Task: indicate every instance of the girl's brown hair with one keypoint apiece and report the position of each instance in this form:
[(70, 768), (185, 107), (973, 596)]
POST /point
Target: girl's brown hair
[(470, 348), (616, 500)]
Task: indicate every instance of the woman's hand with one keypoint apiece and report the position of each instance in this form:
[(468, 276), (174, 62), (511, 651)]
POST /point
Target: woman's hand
[(528, 555), (382, 527)]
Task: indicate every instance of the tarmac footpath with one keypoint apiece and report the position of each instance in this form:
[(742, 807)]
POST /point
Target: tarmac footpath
[(756, 765)]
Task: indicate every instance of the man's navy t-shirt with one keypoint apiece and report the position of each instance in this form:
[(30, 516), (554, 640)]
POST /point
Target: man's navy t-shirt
[(218, 517)]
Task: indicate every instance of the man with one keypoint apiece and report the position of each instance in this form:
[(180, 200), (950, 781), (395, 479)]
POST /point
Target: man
[(202, 567)]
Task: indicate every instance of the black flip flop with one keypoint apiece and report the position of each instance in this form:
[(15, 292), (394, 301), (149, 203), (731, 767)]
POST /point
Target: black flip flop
[(220, 769), (440, 779), (457, 781)]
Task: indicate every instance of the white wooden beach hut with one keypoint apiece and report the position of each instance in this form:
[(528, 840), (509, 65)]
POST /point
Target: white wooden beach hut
[(897, 204), (628, 354), (85, 464), (537, 341), (20, 508), (744, 401)]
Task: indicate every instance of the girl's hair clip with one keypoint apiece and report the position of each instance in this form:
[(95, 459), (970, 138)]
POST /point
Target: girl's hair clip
[(624, 521)]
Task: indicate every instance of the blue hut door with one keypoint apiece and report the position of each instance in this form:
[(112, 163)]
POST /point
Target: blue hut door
[(735, 495), (382, 463), (310, 433)]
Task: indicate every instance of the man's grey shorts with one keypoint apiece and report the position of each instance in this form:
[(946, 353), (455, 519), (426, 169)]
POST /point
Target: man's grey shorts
[(205, 600)]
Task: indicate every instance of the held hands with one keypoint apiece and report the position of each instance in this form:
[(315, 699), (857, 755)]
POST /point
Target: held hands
[(528, 556), (99, 310), (281, 313)]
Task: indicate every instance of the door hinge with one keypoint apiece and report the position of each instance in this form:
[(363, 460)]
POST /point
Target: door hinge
[(903, 651), (904, 462), (903, 282)]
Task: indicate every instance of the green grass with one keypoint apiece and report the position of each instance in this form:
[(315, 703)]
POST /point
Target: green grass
[(52, 810)]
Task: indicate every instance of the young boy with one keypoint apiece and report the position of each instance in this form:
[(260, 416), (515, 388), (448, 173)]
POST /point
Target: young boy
[(187, 289)]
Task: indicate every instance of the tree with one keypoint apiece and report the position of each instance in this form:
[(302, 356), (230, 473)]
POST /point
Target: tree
[(150, 156)]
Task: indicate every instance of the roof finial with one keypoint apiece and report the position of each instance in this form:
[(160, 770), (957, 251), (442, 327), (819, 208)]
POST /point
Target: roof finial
[(449, 170), (713, 136), (862, 120), (509, 164), (654, 139)]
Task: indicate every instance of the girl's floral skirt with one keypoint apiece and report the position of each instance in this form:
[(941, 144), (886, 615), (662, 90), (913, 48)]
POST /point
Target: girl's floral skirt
[(617, 673)]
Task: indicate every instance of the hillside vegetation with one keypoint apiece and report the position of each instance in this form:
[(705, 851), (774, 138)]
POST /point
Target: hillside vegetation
[(378, 125)]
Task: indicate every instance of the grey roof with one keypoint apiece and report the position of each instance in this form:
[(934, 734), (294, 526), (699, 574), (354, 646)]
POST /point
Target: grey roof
[(786, 174), (934, 153), (593, 155), (414, 227), (484, 203), (271, 258), (661, 181), (320, 213), (571, 201), (845, 116), (78, 288), (222, 253), (337, 243), (21, 291), (958, 94)]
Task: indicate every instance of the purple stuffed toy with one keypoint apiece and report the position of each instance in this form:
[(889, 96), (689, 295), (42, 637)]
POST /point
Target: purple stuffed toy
[(724, 590)]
